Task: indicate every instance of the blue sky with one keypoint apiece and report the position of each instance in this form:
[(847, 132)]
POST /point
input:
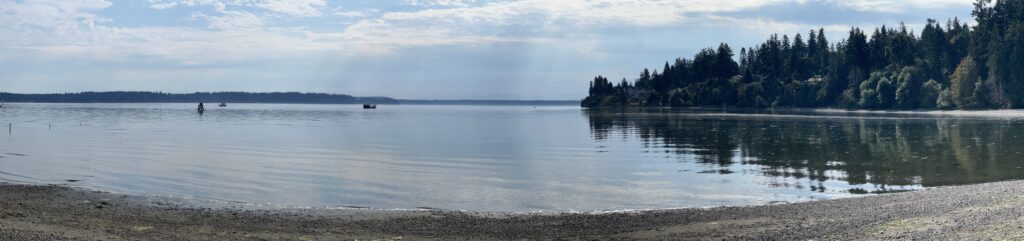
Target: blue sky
[(426, 49)]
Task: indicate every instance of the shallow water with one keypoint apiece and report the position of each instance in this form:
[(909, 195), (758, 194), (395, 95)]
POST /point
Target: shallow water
[(501, 158)]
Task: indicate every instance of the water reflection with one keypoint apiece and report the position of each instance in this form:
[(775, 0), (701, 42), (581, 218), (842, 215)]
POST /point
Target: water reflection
[(881, 149), (507, 158)]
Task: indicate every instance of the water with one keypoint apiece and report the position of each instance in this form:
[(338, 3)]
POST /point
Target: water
[(500, 158)]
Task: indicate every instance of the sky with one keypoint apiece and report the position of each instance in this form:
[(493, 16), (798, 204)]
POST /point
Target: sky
[(411, 49)]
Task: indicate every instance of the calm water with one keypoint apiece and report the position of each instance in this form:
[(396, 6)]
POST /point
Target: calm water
[(500, 158)]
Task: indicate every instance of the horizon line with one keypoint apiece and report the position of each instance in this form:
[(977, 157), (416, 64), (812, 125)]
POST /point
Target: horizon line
[(301, 92)]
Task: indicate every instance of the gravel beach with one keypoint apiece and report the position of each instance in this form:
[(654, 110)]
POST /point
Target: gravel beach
[(973, 212)]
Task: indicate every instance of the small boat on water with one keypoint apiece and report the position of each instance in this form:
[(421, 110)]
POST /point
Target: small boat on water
[(368, 106), (222, 104)]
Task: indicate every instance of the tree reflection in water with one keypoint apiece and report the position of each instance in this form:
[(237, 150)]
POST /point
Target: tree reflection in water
[(894, 149)]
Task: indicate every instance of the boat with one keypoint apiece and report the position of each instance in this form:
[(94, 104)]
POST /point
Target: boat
[(222, 104), (368, 106)]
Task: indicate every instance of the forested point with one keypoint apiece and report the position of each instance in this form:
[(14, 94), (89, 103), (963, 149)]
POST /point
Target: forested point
[(158, 97), (946, 66)]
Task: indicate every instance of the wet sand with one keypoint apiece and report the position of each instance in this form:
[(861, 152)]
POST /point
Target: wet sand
[(974, 212)]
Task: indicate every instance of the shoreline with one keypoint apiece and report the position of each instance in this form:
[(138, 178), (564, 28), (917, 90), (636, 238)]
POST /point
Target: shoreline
[(978, 211), (832, 110)]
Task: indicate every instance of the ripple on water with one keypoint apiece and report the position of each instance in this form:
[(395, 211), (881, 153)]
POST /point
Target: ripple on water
[(486, 158)]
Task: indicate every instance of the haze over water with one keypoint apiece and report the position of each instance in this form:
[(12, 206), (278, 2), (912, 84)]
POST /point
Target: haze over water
[(499, 158)]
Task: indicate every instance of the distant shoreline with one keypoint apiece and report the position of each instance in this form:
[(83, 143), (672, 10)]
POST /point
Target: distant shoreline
[(994, 113), (35, 212), (253, 97), (400, 102), (212, 97), (491, 102)]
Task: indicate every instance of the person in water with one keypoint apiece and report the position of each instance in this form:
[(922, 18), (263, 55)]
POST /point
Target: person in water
[(200, 106)]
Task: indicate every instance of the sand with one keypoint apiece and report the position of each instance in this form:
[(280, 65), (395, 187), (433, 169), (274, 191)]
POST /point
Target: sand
[(973, 212)]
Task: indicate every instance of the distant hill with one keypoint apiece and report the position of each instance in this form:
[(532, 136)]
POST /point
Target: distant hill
[(158, 97), (491, 102)]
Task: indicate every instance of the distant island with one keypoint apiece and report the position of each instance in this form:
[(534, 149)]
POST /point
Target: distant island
[(248, 97), (950, 66), (159, 97)]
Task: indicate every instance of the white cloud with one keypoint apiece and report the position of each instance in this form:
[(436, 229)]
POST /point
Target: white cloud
[(538, 21), (236, 32), (232, 20), (312, 38), (167, 4), (898, 6), (297, 8), (52, 14), (351, 14), (433, 3), (575, 12), (240, 14), (248, 38), (373, 37), (72, 29), (184, 45), (339, 11)]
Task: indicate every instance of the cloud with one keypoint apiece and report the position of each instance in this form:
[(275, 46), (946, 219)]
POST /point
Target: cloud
[(581, 12), (434, 3), (168, 4), (898, 6), (294, 8), (238, 14), (375, 37), (232, 20), (237, 32), (74, 30), (525, 46), (353, 14), (541, 21), (61, 15), (247, 36), (768, 26), (339, 11)]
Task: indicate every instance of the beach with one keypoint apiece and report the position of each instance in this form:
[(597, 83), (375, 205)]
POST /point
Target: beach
[(971, 212)]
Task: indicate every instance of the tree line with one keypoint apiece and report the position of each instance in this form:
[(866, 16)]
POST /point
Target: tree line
[(157, 97), (947, 65)]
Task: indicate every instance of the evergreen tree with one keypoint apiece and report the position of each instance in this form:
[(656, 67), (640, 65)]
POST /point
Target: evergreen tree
[(951, 66), (962, 84)]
